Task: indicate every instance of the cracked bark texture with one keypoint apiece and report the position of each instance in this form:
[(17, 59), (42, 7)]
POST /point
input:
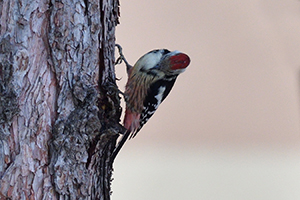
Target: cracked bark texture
[(59, 104)]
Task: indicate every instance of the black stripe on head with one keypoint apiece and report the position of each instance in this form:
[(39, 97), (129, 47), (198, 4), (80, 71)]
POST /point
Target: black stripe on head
[(162, 51), (165, 51)]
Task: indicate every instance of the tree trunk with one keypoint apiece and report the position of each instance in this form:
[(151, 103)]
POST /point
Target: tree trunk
[(59, 103)]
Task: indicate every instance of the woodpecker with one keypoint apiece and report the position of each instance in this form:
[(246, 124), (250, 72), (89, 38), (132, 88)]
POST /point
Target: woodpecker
[(150, 81)]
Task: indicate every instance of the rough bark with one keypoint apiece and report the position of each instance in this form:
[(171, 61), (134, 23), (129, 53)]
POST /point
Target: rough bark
[(59, 104)]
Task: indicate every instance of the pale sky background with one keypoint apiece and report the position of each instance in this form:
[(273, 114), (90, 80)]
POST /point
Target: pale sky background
[(230, 128)]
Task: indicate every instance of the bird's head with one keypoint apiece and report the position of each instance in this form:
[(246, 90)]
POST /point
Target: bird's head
[(163, 61)]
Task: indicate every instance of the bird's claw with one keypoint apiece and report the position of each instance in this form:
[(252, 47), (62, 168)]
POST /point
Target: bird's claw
[(122, 58)]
